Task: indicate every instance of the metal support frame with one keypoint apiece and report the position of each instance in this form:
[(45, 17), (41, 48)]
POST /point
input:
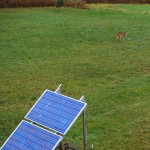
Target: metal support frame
[(66, 145), (58, 90)]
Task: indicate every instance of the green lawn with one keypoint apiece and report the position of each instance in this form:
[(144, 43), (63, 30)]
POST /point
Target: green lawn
[(43, 47)]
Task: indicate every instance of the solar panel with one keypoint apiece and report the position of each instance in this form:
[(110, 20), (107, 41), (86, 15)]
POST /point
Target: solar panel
[(28, 136), (56, 111)]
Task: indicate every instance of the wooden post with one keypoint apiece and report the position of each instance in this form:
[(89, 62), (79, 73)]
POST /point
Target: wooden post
[(84, 126), (84, 129)]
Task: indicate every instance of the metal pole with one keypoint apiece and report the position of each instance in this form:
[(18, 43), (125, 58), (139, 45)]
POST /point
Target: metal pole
[(58, 90)]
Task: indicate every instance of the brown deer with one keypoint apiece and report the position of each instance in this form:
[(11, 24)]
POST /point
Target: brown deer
[(120, 36)]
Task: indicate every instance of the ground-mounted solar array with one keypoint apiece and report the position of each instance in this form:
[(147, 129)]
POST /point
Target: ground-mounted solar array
[(56, 111), (28, 136), (52, 111)]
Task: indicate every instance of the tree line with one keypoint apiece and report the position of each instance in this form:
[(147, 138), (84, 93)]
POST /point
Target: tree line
[(67, 3)]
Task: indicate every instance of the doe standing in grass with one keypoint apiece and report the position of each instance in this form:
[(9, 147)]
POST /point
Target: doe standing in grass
[(120, 36)]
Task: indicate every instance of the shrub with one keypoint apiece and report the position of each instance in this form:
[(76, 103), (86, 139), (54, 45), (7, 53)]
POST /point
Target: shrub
[(67, 3), (119, 1), (75, 3), (59, 3), (26, 3)]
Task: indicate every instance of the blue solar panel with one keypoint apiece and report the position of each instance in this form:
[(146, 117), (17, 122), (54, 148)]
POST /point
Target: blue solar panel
[(31, 137), (56, 111)]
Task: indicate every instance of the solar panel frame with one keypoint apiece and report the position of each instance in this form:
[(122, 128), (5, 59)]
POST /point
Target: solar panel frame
[(37, 127), (63, 133)]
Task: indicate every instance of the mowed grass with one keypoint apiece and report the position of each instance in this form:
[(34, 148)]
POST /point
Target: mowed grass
[(43, 47)]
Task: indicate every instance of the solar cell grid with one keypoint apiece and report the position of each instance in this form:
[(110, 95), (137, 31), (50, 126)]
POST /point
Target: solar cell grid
[(55, 111), (30, 137)]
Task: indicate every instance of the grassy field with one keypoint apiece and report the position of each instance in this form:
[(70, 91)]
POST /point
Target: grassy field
[(43, 47)]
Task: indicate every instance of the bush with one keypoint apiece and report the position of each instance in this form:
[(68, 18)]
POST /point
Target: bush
[(67, 3), (75, 3), (119, 1), (26, 3), (59, 3)]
